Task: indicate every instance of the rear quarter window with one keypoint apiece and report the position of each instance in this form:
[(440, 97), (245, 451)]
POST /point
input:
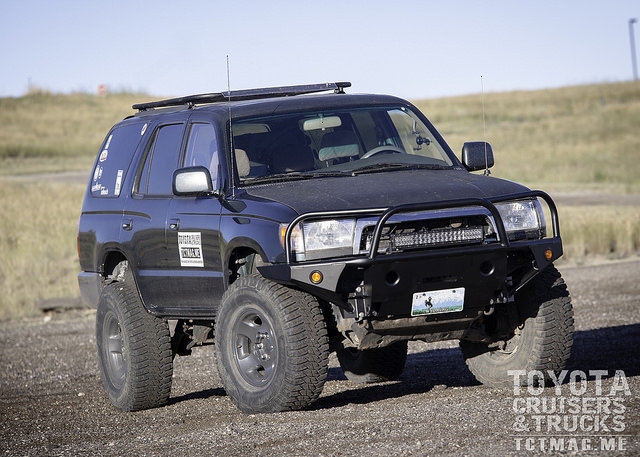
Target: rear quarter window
[(114, 159)]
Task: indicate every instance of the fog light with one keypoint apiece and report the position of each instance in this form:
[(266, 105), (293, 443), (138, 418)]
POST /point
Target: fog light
[(548, 254), (316, 277)]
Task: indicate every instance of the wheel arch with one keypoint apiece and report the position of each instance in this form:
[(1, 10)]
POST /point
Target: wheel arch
[(111, 260), (242, 259)]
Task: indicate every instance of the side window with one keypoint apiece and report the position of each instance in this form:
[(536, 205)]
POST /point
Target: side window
[(114, 159), (161, 161), (202, 149)]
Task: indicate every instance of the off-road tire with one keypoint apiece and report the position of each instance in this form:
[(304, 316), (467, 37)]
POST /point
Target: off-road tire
[(134, 350), (542, 342), (272, 349), (373, 365)]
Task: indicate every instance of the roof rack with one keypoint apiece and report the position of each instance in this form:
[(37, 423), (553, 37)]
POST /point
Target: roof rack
[(247, 94)]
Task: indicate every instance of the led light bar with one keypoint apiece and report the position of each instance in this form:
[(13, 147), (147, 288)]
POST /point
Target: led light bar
[(437, 237)]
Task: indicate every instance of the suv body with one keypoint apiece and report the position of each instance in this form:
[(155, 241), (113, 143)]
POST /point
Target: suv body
[(254, 217)]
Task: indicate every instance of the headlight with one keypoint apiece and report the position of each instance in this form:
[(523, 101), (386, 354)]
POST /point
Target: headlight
[(321, 239), (523, 219)]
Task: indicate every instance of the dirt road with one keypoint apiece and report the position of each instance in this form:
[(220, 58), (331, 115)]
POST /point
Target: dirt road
[(52, 402)]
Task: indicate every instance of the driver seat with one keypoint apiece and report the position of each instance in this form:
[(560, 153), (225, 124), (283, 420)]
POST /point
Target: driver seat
[(339, 144)]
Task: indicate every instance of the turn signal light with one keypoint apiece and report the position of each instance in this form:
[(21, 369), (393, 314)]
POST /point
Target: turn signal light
[(316, 277)]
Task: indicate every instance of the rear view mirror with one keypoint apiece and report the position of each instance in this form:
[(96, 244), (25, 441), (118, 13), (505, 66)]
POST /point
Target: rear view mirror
[(319, 123), (477, 155)]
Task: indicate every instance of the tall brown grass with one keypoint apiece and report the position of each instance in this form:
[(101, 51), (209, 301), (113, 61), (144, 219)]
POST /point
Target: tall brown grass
[(38, 257), (573, 138), (602, 232), (48, 132)]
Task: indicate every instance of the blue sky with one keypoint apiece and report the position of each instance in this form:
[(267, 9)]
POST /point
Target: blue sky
[(414, 49)]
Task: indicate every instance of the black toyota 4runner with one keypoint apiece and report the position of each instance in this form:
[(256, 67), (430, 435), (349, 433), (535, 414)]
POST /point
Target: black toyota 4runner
[(281, 224)]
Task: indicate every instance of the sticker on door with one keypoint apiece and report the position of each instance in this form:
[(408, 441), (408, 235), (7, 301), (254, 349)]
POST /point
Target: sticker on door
[(190, 248)]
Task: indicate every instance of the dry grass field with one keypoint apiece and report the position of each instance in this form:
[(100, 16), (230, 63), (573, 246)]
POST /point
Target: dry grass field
[(569, 140), (573, 138), (43, 132)]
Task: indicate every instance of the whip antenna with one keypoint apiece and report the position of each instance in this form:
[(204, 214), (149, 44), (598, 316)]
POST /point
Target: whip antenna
[(232, 150), (484, 132)]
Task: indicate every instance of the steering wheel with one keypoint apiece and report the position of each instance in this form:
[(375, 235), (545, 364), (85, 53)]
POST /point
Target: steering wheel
[(381, 150)]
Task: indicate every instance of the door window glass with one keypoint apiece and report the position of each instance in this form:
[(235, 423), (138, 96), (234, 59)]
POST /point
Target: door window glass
[(161, 161), (202, 149)]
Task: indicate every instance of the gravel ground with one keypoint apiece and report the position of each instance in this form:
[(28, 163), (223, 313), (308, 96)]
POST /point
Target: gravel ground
[(52, 401)]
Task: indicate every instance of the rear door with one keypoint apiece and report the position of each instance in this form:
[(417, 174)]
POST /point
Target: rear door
[(144, 218)]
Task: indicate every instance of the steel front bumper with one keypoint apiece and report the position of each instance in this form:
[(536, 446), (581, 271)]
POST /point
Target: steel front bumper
[(378, 289), (383, 287)]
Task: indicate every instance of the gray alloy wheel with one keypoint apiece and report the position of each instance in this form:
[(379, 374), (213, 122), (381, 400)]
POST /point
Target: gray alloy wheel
[(272, 349)]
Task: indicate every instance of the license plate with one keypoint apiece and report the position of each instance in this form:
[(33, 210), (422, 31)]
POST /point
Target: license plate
[(437, 301)]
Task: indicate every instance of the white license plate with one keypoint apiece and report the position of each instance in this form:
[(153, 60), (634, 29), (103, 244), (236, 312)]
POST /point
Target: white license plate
[(437, 301)]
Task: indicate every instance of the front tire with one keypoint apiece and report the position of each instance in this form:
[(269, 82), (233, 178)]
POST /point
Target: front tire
[(134, 350), (541, 342), (272, 349)]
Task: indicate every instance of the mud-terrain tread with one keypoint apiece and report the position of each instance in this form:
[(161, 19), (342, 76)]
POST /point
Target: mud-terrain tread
[(547, 334), (148, 347), (305, 353)]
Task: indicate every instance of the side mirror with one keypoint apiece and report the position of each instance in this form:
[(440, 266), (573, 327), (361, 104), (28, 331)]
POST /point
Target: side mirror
[(477, 155), (192, 181)]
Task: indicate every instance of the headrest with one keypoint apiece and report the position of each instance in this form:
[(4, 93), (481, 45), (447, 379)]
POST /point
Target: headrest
[(242, 161)]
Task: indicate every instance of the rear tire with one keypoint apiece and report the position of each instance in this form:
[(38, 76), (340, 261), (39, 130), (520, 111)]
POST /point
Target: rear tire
[(272, 349), (542, 342), (373, 365), (134, 350)]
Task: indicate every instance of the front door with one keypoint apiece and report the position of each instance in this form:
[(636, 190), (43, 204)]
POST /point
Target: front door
[(193, 232)]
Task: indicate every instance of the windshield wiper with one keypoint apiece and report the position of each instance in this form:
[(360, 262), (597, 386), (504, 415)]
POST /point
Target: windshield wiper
[(294, 176), (378, 167)]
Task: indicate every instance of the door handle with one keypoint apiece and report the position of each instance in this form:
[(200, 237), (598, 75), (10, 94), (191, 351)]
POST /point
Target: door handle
[(174, 224), (127, 224)]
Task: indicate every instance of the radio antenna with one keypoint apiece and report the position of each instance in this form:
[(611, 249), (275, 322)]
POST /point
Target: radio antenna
[(484, 132), (228, 81), (232, 150)]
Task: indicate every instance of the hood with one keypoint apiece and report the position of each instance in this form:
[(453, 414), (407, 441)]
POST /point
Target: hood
[(382, 190)]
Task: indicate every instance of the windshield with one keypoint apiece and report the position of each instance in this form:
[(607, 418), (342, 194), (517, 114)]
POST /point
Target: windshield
[(347, 141)]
